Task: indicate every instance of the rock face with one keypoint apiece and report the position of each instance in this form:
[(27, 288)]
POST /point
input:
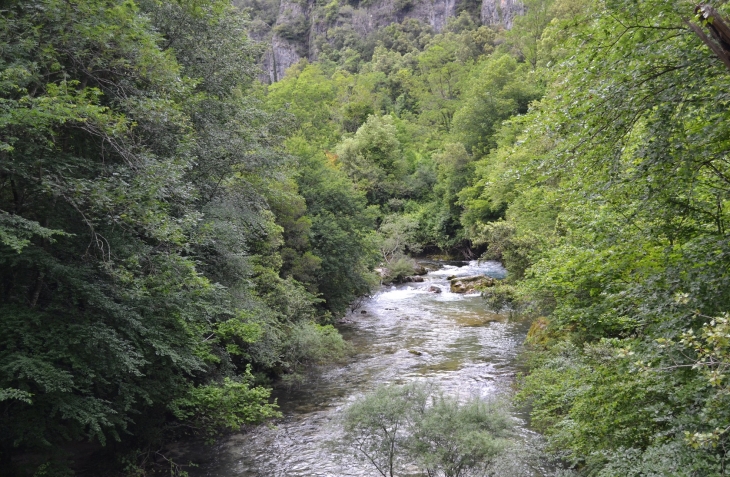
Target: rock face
[(288, 38), (468, 284), (301, 25), (279, 58), (501, 12)]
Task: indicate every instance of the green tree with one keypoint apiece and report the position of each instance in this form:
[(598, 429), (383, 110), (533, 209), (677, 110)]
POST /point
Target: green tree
[(528, 29), (342, 227), (618, 177), (372, 159), (456, 439), (395, 425), (377, 426), (100, 307), (135, 161), (499, 88)]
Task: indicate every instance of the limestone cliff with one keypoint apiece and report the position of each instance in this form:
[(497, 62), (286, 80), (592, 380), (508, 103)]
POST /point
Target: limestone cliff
[(296, 29), (500, 12)]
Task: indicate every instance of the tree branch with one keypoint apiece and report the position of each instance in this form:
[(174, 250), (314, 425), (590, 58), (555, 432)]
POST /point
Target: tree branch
[(719, 30)]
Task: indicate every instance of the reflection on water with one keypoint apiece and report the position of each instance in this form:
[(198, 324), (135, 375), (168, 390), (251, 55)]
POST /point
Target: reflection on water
[(407, 333)]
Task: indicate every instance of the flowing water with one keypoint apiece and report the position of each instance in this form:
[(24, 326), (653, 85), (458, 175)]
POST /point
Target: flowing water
[(406, 333)]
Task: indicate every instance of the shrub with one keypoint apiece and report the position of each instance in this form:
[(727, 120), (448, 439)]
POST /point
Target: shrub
[(296, 30), (501, 297), (310, 344), (227, 405), (455, 440), (398, 269), (415, 423), (377, 425)]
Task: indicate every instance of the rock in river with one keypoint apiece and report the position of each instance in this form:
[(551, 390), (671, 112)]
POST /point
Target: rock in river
[(420, 269), (467, 284)]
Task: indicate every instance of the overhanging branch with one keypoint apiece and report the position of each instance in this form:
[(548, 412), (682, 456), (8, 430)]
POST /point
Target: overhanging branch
[(718, 39)]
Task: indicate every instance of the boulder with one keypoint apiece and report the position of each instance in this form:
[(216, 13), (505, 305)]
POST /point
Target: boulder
[(467, 284), (420, 269), (434, 289), (413, 279)]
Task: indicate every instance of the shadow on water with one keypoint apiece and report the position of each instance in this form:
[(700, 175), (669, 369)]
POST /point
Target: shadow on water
[(406, 334)]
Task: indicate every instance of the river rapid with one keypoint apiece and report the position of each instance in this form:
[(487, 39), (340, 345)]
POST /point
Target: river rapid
[(405, 334)]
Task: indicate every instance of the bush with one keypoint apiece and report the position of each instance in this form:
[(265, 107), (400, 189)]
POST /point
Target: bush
[(310, 344), (501, 297), (227, 405), (454, 439), (396, 425), (297, 30), (377, 425), (398, 269)]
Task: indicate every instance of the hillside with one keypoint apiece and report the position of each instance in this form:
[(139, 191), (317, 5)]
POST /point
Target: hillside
[(314, 30)]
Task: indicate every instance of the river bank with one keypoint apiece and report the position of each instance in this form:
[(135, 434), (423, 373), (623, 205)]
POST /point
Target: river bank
[(404, 333)]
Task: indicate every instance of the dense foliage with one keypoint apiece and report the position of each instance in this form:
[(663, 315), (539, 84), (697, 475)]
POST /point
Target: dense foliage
[(147, 284), (616, 194), (175, 234), (586, 148)]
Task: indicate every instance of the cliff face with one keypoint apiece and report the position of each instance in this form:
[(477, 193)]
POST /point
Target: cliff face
[(301, 27), (496, 12), (285, 50)]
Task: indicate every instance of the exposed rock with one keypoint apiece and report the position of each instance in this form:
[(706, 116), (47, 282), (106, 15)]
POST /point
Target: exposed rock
[(302, 25), (451, 277), (279, 58), (380, 13), (501, 12), (413, 279), (420, 269), (413, 351), (434, 289), (363, 312), (467, 284)]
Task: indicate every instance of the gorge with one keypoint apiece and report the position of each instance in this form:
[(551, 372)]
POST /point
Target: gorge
[(212, 213)]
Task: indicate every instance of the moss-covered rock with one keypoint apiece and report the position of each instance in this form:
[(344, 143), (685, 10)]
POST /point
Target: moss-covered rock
[(473, 283)]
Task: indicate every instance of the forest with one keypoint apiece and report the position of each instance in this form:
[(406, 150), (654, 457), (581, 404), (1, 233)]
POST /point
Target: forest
[(178, 235)]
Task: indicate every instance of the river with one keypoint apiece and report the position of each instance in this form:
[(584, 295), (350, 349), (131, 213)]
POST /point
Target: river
[(402, 334)]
